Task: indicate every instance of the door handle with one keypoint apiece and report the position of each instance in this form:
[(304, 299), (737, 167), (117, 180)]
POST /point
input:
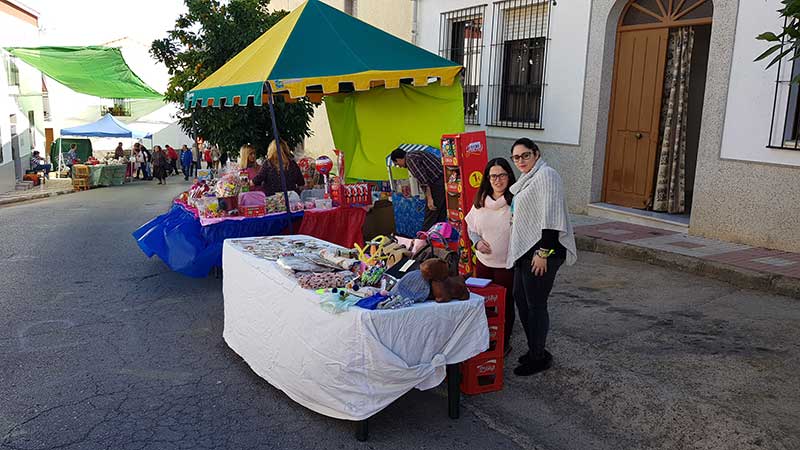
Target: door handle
[(639, 135)]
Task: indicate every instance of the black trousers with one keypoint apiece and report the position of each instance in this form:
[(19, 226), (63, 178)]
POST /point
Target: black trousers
[(433, 217), (530, 294)]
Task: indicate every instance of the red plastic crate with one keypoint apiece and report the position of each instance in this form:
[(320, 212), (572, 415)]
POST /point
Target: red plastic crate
[(496, 341), (494, 298), (481, 375)]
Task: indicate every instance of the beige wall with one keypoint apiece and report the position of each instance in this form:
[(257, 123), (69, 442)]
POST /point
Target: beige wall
[(392, 16)]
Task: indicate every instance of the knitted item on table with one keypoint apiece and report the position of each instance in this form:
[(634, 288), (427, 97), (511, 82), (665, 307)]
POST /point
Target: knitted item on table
[(412, 286)]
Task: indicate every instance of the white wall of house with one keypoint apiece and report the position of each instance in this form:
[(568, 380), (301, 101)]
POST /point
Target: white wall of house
[(565, 65), (752, 92), (20, 100)]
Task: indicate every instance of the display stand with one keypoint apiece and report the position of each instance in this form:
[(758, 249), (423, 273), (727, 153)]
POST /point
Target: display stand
[(464, 157)]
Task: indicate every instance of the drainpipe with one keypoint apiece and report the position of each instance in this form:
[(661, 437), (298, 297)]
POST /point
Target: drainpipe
[(415, 8)]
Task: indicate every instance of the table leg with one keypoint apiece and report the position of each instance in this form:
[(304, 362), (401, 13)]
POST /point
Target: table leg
[(362, 430), (453, 390)]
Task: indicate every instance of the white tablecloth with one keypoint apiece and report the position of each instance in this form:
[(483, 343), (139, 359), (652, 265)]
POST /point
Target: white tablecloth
[(349, 365)]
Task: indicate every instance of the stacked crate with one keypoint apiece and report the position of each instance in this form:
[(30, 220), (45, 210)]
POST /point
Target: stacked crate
[(484, 372)]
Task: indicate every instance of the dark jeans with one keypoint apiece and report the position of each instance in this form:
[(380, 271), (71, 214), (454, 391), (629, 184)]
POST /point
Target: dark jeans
[(173, 167), (432, 217), (531, 293), (187, 170), (505, 278), (45, 167)]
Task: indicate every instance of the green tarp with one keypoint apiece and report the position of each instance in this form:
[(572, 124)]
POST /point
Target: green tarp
[(93, 70), (83, 150), (367, 126)]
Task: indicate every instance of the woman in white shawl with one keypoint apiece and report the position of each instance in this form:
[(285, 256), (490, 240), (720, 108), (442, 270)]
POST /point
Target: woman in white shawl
[(541, 241)]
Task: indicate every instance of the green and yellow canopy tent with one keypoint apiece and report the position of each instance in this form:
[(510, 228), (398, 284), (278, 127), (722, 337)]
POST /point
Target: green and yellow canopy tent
[(380, 91)]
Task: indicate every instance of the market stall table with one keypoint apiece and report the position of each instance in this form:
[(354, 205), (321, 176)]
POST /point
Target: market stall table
[(192, 245), (106, 175), (349, 365)]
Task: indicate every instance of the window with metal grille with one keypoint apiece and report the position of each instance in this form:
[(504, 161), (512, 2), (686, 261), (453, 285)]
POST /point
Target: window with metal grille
[(520, 30), (461, 41), (784, 131)]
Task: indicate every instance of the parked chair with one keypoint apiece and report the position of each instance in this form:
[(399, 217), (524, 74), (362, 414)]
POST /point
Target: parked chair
[(80, 177)]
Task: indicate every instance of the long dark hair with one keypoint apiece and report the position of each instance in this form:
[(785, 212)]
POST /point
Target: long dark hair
[(486, 185)]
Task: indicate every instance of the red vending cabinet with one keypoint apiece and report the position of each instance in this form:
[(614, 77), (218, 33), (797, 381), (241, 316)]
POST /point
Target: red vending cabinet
[(464, 157)]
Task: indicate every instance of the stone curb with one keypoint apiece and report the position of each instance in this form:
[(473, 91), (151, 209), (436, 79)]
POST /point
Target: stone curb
[(25, 198), (742, 278)]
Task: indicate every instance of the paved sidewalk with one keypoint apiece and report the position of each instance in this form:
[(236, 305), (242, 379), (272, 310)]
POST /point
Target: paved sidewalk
[(742, 265), (52, 188)]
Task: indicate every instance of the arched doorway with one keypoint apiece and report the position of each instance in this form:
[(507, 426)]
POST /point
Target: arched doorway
[(660, 64)]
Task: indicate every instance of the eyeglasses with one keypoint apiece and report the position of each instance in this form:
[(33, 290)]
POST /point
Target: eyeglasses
[(523, 157), (498, 176)]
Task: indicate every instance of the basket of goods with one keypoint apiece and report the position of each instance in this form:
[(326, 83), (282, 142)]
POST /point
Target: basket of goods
[(252, 204)]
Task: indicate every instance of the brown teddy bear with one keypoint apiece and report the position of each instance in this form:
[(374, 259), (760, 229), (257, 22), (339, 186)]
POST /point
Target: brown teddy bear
[(451, 288)]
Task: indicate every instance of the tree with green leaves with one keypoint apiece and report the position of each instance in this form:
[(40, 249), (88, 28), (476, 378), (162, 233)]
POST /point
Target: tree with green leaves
[(206, 37), (787, 41)]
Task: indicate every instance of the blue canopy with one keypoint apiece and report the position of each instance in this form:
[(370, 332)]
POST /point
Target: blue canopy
[(107, 126)]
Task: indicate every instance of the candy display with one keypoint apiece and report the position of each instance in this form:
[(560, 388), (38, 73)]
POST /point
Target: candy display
[(229, 183)]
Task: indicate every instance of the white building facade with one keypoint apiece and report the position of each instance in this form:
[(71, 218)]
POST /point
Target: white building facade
[(590, 81), (21, 106)]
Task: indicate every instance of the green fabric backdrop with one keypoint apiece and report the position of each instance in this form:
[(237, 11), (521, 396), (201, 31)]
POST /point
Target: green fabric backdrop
[(368, 125)]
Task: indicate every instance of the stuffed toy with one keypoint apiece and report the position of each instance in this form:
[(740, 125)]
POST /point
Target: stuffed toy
[(452, 288), (415, 286)]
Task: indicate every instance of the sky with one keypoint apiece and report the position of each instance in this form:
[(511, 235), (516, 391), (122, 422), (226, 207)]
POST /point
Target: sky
[(94, 22)]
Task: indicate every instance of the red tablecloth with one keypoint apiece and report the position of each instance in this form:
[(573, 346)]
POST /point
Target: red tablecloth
[(339, 225)]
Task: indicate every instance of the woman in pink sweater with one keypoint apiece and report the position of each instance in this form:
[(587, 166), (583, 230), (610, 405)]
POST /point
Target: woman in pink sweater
[(489, 225)]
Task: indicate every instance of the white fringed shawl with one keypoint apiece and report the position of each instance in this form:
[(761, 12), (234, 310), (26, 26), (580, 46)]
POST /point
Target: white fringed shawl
[(539, 204)]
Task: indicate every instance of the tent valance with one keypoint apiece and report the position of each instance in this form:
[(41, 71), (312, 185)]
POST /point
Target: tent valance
[(108, 127), (317, 49), (93, 70)]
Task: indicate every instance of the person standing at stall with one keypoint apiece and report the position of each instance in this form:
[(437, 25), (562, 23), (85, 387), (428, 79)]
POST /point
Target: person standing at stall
[(489, 226), (541, 241), (148, 162), (172, 157), (197, 158), (247, 161), (186, 162), (119, 153), (215, 155), (160, 165), (426, 168), (269, 177), (207, 157)]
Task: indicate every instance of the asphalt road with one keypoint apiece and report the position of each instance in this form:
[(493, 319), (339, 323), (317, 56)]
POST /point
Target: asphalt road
[(102, 348)]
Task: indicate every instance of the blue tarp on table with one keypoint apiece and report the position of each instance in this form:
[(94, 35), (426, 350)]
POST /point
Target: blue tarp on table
[(191, 249)]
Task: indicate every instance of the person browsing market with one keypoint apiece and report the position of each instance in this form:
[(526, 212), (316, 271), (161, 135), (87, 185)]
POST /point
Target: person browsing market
[(426, 168)]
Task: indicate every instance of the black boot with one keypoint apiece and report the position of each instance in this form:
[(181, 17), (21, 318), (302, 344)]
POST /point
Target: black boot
[(528, 367)]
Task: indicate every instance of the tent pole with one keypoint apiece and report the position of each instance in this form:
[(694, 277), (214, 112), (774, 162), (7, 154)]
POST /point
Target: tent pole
[(280, 155)]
